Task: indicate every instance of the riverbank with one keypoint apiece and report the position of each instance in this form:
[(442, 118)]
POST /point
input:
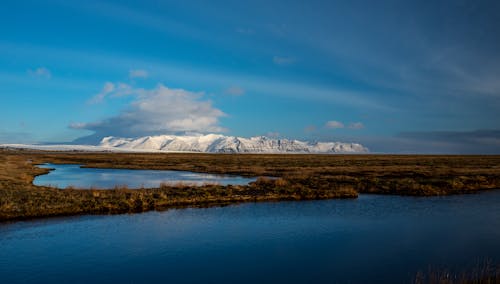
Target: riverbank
[(299, 177)]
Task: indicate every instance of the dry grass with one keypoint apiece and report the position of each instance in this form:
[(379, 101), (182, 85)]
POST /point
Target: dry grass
[(484, 272), (299, 177)]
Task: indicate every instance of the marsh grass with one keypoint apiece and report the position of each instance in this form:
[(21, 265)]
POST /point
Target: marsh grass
[(295, 177), (484, 272)]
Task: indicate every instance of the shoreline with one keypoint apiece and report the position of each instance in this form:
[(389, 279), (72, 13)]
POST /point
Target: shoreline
[(298, 177)]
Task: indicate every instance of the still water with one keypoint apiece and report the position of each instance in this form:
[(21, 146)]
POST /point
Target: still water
[(73, 175), (373, 239)]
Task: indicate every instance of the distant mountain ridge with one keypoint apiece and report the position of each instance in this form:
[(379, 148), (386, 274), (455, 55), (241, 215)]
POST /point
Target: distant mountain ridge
[(216, 143)]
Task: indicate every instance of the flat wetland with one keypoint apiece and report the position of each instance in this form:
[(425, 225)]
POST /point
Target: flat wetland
[(298, 177)]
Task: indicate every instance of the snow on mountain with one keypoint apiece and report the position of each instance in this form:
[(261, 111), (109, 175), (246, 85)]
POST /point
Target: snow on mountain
[(216, 143)]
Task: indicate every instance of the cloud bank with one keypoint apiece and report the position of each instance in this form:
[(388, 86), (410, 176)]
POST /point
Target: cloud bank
[(156, 111), (486, 141)]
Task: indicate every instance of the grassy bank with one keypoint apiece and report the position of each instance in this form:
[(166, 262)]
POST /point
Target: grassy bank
[(300, 177)]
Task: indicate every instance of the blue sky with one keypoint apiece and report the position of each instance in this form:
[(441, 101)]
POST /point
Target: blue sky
[(396, 76)]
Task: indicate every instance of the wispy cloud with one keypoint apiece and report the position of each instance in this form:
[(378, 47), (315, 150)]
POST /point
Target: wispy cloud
[(245, 31), (310, 129), (388, 67), (127, 14), (112, 90), (438, 142), (157, 111), (489, 136), (138, 73), (106, 90), (279, 88), (235, 91), (40, 72), (283, 60), (333, 124), (356, 125)]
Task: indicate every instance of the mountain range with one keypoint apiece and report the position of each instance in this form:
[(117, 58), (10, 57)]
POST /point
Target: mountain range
[(216, 143)]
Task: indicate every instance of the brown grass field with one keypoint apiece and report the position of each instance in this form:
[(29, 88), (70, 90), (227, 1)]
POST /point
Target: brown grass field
[(299, 177)]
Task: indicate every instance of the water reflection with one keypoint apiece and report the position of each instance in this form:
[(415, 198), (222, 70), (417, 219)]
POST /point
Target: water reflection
[(373, 239), (64, 175)]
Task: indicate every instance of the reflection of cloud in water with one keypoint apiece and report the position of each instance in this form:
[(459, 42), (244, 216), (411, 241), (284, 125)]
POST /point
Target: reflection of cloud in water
[(75, 176), (188, 183)]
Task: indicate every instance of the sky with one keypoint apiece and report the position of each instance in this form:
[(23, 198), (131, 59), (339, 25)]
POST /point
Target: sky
[(395, 76)]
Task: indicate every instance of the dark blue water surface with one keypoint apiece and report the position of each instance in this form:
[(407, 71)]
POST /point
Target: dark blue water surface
[(373, 239), (63, 176)]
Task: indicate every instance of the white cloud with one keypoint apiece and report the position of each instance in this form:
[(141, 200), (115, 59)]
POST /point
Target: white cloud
[(281, 60), (356, 125), (121, 90), (235, 91), (157, 111), (41, 72), (106, 90), (112, 90), (334, 124), (138, 73)]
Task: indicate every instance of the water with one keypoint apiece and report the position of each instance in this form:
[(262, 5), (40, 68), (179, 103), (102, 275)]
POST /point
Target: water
[(373, 239), (73, 175)]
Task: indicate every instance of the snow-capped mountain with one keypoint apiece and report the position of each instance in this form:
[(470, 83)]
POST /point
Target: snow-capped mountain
[(215, 143)]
